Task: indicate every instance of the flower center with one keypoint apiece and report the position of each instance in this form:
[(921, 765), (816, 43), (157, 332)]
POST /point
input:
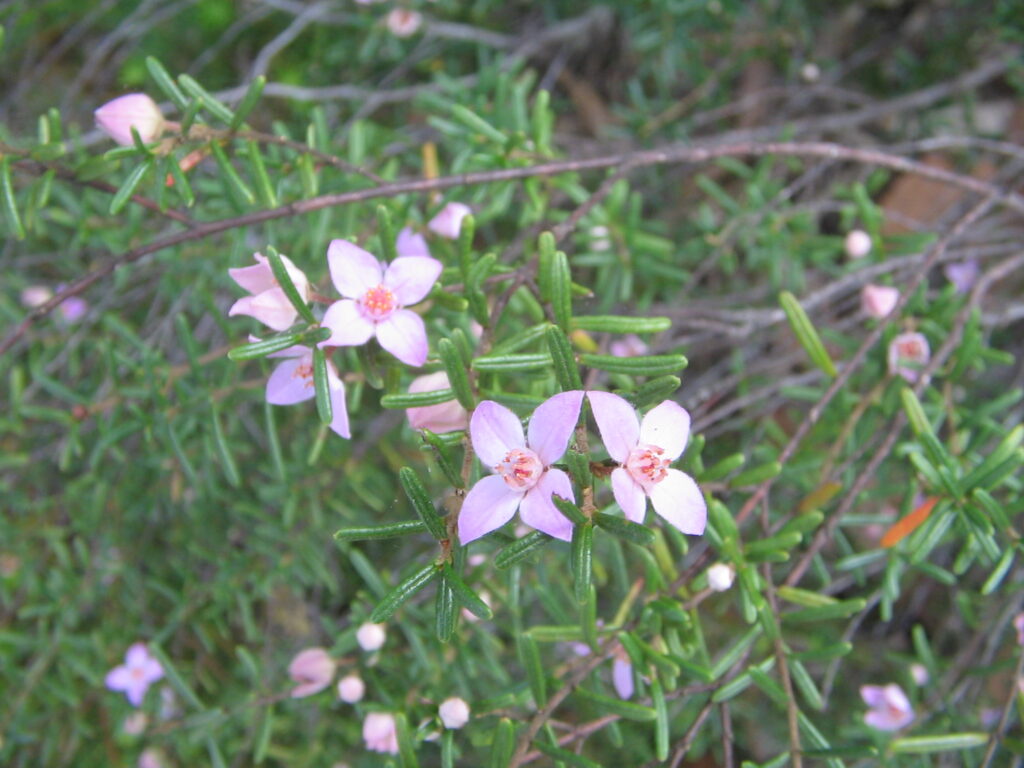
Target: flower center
[(646, 465), (304, 371), (911, 349), (520, 469), (137, 673), (378, 302)]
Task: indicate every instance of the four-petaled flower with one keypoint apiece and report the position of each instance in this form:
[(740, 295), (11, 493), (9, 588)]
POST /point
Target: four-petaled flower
[(116, 118), (139, 671), (889, 707), (645, 451), (523, 478), (292, 382), (375, 299), (268, 302), (908, 354)]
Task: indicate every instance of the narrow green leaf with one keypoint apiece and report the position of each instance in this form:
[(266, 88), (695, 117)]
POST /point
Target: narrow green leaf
[(274, 441), (166, 83), (782, 542), (437, 443), (624, 529), (621, 324), (127, 188), (465, 595), (582, 560), (521, 549), (839, 610), (644, 365), (1005, 451), (265, 347), (798, 672), (756, 475), (264, 185), (248, 102), (733, 654), (284, 280), (826, 653), (474, 122), (466, 232), (388, 239), (512, 363), (529, 657), (806, 333), (654, 391), (181, 183), (224, 451), (263, 735), (322, 386), (922, 745), (564, 756), (182, 688), (447, 749), (504, 743), (405, 590), (406, 751), (458, 376), (561, 290), (389, 531), (446, 609), (214, 106), (724, 467), (615, 706), (417, 399), (422, 503), (10, 203), (999, 572), (570, 510), (567, 373), (805, 597), (230, 175)]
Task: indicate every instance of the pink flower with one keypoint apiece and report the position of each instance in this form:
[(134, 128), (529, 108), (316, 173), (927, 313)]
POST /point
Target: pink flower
[(962, 274), (375, 297), (448, 416), (292, 382), (151, 758), (908, 354), (889, 707), (35, 296), (134, 110), (448, 221), (313, 670), (380, 734), (628, 346), (403, 22), (454, 712), (524, 478), (645, 450), (878, 300), (351, 688), (268, 303), (139, 671), (857, 244), (1018, 624), (411, 243), (622, 674)]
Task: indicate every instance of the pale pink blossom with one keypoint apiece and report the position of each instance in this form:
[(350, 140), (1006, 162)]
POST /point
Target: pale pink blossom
[(878, 300), (908, 354), (133, 110), (523, 477), (35, 296), (890, 708), (375, 297), (962, 274), (1018, 624), (448, 221), (628, 346), (645, 451), (371, 636), (380, 733), (313, 670), (268, 302), (139, 671), (622, 674), (151, 758), (402, 22), (454, 712), (72, 309), (291, 382), (351, 688), (720, 577), (857, 244), (448, 416)]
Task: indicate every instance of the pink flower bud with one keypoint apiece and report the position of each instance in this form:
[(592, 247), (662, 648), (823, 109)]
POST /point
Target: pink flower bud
[(134, 110), (379, 733), (454, 712), (908, 354), (403, 22), (443, 417), (878, 300), (857, 244), (630, 345), (371, 636), (351, 689), (313, 670), (35, 295), (448, 221)]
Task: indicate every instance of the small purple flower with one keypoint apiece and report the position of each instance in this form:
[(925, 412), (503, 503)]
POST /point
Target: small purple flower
[(139, 671), (448, 221), (375, 299), (644, 451), (889, 707), (411, 243), (291, 382), (962, 274), (908, 354), (524, 478), (268, 302), (116, 118), (622, 675)]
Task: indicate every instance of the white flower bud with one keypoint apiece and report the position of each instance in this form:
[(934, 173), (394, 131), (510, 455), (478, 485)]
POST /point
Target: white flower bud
[(351, 689), (371, 636), (857, 244), (454, 712), (720, 577)]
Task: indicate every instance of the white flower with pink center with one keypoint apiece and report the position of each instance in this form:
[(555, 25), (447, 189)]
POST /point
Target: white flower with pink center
[(292, 382), (268, 302), (645, 451), (375, 299), (523, 477), (908, 354), (139, 671), (890, 708)]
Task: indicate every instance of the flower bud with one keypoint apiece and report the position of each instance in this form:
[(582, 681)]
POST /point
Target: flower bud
[(454, 712), (380, 734), (371, 636), (878, 300), (449, 416), (351, 689), (35, 295), (857, 244), (403, 22), (908, 354), (448, 221), (134, 110), (312, 669), (720, 577)]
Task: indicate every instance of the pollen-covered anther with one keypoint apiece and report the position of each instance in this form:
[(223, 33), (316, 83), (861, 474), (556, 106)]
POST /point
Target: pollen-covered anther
[(379, 302), (647, 465), (521, 468), (304, 371)]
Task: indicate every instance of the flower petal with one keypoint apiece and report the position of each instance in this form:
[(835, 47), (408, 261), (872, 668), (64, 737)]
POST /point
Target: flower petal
[(410, 278), (348, 326), (667, 426), (271, 308), (448, 221), (488, 506), (410, 243), (678, 499), (256, 278), (137, 655), (552, 425), (353, 270), (291, 382), (118, 679), (539, 511), (495, 431), (339, 407), (629, 494), (404, 335), (617, 422), (622, 678), (873, 695)]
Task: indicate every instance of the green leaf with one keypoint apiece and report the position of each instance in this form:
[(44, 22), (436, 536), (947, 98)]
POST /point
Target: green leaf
[(614, 706), (521, 549), (567, 373), (9, 201), (621, 324), (265, 347), (625, 529), (182, 688), (127, 188), (644, 365), (805, 597), (166, 83), (582, 560), (230, 175), (653, 391), (798, 672), (422, 503), (570, 510), (922, 745), (227, 460), (405, 590), (213, 105), (248, 102), (474, 122), (388, 240), (447, 610), (756, 475), (661, 727), (512, 363), (806, 333), (564, 756), (560, 280), (322, 386), (285, 281), (529, 657), (406, 751), (470, 599), (466, 232), (417, 399), (458, 377), (264, 185), (504, 743), (838, 610), (389, 531)]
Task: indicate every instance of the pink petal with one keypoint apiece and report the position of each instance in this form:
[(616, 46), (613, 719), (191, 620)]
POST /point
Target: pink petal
[(133, 110), (410, 278), (409, 243), (495, 431), (254, 279), (137, 655), (622, 678), (667, 426), (291, 382), (136, 692), (488, 506), (404, 335), (339, 407), (448, 221), (348, 326), (552, 425), (152, 671), (678, 499), (271, 308), (629, 494), (118, 679), (873, 695), (443, 417), (539, 511), (353, 270), (617, 422)]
